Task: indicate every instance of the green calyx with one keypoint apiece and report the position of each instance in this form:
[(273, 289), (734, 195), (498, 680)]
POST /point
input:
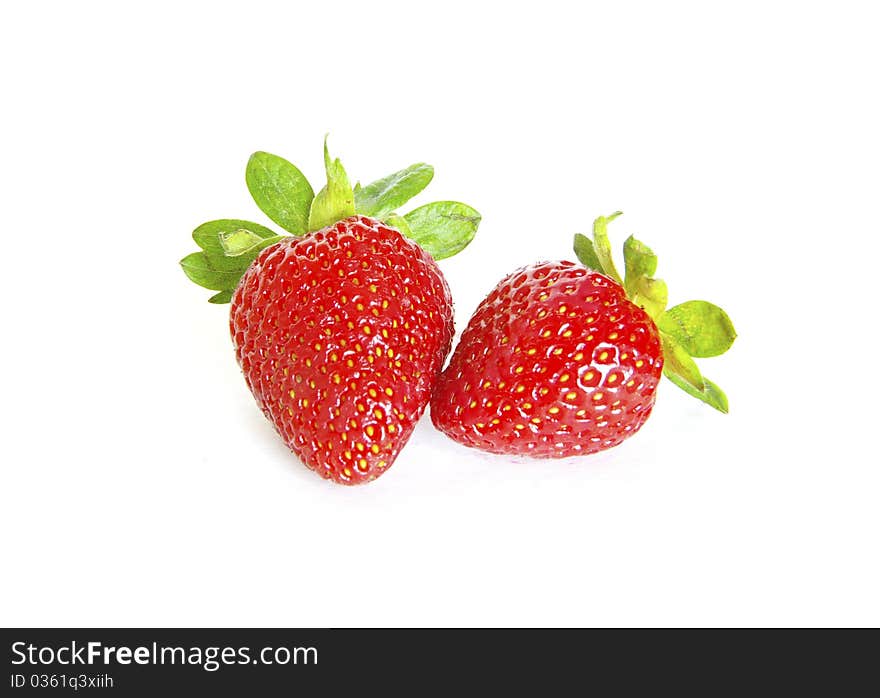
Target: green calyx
[(229, 246), (693, 329)]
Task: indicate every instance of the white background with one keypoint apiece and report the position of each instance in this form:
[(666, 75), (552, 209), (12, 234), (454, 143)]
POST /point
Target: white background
[(141, 485)]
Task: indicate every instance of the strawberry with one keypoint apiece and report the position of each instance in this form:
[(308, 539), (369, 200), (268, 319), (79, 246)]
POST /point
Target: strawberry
[(341, 329), (564, 359)]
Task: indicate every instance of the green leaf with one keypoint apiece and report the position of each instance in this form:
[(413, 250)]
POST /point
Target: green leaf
[(222, 297), (650, 294), (228, 250), (208, 235), (336, 200), (215, 273), (602, 246), (701, 328), (640, 263), (281, 191), (381, 197), (443, 228), (677, 362), (243, 242), (399, 222), (711, 393), (586, 254)]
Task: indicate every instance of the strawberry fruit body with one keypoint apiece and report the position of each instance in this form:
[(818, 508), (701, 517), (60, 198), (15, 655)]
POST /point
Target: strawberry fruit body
[(564, 359), (555, 362), (341, 335), (342, 327)]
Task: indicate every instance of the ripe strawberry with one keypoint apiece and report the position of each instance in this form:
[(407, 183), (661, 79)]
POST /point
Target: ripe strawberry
[(555, 362), (561, 359), (341, 335), (340, 332)]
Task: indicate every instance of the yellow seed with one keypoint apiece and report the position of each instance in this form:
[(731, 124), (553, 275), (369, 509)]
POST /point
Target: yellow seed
[(581, 413), (372, 392), (630, 384), (639, 363), (612, 378), (292, 393), (359, 446), (564, 378), (378, 414), (613, 335), (347, 471), (571, 395), (317, 346), (362, 464), (347, 455), (527, 405), (473, 404), (536, 420), (597, 396), (375, 448), (518, 369), (588, 376), (373, 288), (306, 402), (603, 356), (545, 333), (519, 427), (391, 428), (382, 464), (334, 356), (367, 329), (480, 425), (567, 333), (389, 392), (370, 430), (553, 410), (531, 352), (544, 391), (520, 388), (309, 363)]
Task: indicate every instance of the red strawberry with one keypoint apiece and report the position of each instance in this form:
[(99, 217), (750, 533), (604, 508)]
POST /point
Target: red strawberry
[(559, 361), (340, 333)]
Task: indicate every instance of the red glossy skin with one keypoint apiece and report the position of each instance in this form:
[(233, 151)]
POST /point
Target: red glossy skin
[(555, 362), (341, 335)]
